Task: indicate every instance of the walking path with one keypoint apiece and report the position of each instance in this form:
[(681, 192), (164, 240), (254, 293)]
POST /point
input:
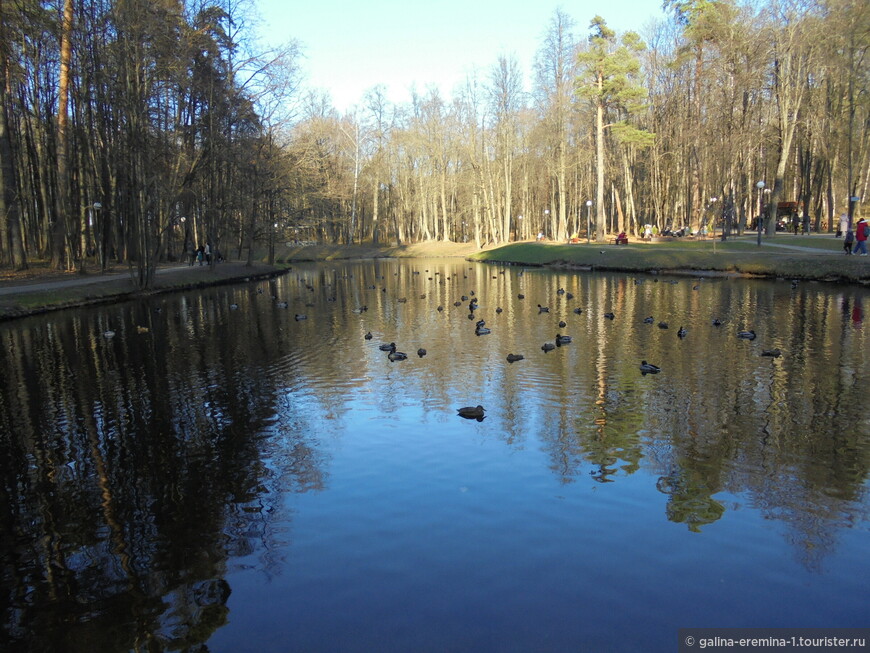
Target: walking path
[(13, 287)]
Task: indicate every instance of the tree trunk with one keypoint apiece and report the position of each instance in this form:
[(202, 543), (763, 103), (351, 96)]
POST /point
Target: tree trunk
[(9, 215), (61, 252), (599, 163)]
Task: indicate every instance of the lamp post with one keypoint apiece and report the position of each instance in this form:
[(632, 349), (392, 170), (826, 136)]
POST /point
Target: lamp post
[(713, 201), (760, 187), (588, 219), (520, 227), (94, 226)]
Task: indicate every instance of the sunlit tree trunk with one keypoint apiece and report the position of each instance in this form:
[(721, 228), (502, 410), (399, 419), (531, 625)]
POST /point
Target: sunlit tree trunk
[(62, 253)]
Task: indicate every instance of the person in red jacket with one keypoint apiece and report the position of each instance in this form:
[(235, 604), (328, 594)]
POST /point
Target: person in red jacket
[(862, 230)]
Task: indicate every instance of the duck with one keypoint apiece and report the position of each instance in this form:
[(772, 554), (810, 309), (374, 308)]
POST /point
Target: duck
[(108, 333), (663, 325), (234, 307), (281, 304), (562, 324), (569, 295), (609, 316), (561, 291), (578, 310), (521, 296), (482, 331), (648, 320), (457, 303), (300, 316), (498, 310), (440, 309), (421, 352), (717, 321), (548, 346), (387, 347), (464, 298), (543, 309), (772, 353), (472, 412), (746, 335), (368, 335), (397, 355), (562, 340), (682, 332), (513, 358), (649, 368), (402, 300)]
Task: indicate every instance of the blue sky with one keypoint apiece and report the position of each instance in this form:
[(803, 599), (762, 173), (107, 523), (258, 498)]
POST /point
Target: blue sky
[(352, 46)]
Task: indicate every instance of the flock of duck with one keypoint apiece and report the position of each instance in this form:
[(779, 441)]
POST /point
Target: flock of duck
[(560, 340), (481, 329)]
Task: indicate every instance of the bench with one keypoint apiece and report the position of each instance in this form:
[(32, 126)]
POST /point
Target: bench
[(619, 241)]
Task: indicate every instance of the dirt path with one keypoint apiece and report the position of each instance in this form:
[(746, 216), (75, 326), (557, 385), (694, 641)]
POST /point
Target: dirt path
[(34, 284)]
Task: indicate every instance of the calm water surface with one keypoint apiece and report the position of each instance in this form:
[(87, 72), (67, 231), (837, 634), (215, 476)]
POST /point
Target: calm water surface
[(221, 476)]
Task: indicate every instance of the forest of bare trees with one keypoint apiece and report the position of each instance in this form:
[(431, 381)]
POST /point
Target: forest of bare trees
[(132, 131)]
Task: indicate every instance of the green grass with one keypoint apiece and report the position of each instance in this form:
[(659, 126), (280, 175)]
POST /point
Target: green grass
[(31, 299), (736, 256)]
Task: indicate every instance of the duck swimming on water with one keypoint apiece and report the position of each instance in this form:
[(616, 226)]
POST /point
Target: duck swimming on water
[(396, 355), (472, 412), (649, 368)]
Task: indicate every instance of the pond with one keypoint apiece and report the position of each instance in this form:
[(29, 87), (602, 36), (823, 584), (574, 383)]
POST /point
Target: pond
[(208, 469)]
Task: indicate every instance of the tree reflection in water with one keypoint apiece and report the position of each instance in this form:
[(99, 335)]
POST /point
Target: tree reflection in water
[(133, 469), (140, 470)]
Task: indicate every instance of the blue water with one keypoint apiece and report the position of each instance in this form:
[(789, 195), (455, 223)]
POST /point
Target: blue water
[(346, 506)]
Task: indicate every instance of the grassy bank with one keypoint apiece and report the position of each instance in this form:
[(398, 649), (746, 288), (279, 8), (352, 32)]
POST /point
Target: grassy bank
[(287, 253), (817, 258), (793, 257), (35, 294)]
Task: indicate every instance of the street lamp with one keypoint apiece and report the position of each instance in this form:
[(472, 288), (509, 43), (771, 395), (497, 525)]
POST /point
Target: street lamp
[(760, 187), (713, 201), (96, 206), (588, 219)]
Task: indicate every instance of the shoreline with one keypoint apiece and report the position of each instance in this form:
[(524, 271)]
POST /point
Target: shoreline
[(820, 259)]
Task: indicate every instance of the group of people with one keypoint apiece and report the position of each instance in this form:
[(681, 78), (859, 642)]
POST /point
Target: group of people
[(201, 255), (855, 241)]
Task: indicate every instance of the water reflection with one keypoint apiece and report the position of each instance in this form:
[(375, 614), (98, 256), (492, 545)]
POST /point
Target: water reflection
[(141, 468)]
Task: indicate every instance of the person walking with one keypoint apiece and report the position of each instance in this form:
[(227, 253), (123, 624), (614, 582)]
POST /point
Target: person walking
[(848, 241), (844, 224), (862, 231)]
